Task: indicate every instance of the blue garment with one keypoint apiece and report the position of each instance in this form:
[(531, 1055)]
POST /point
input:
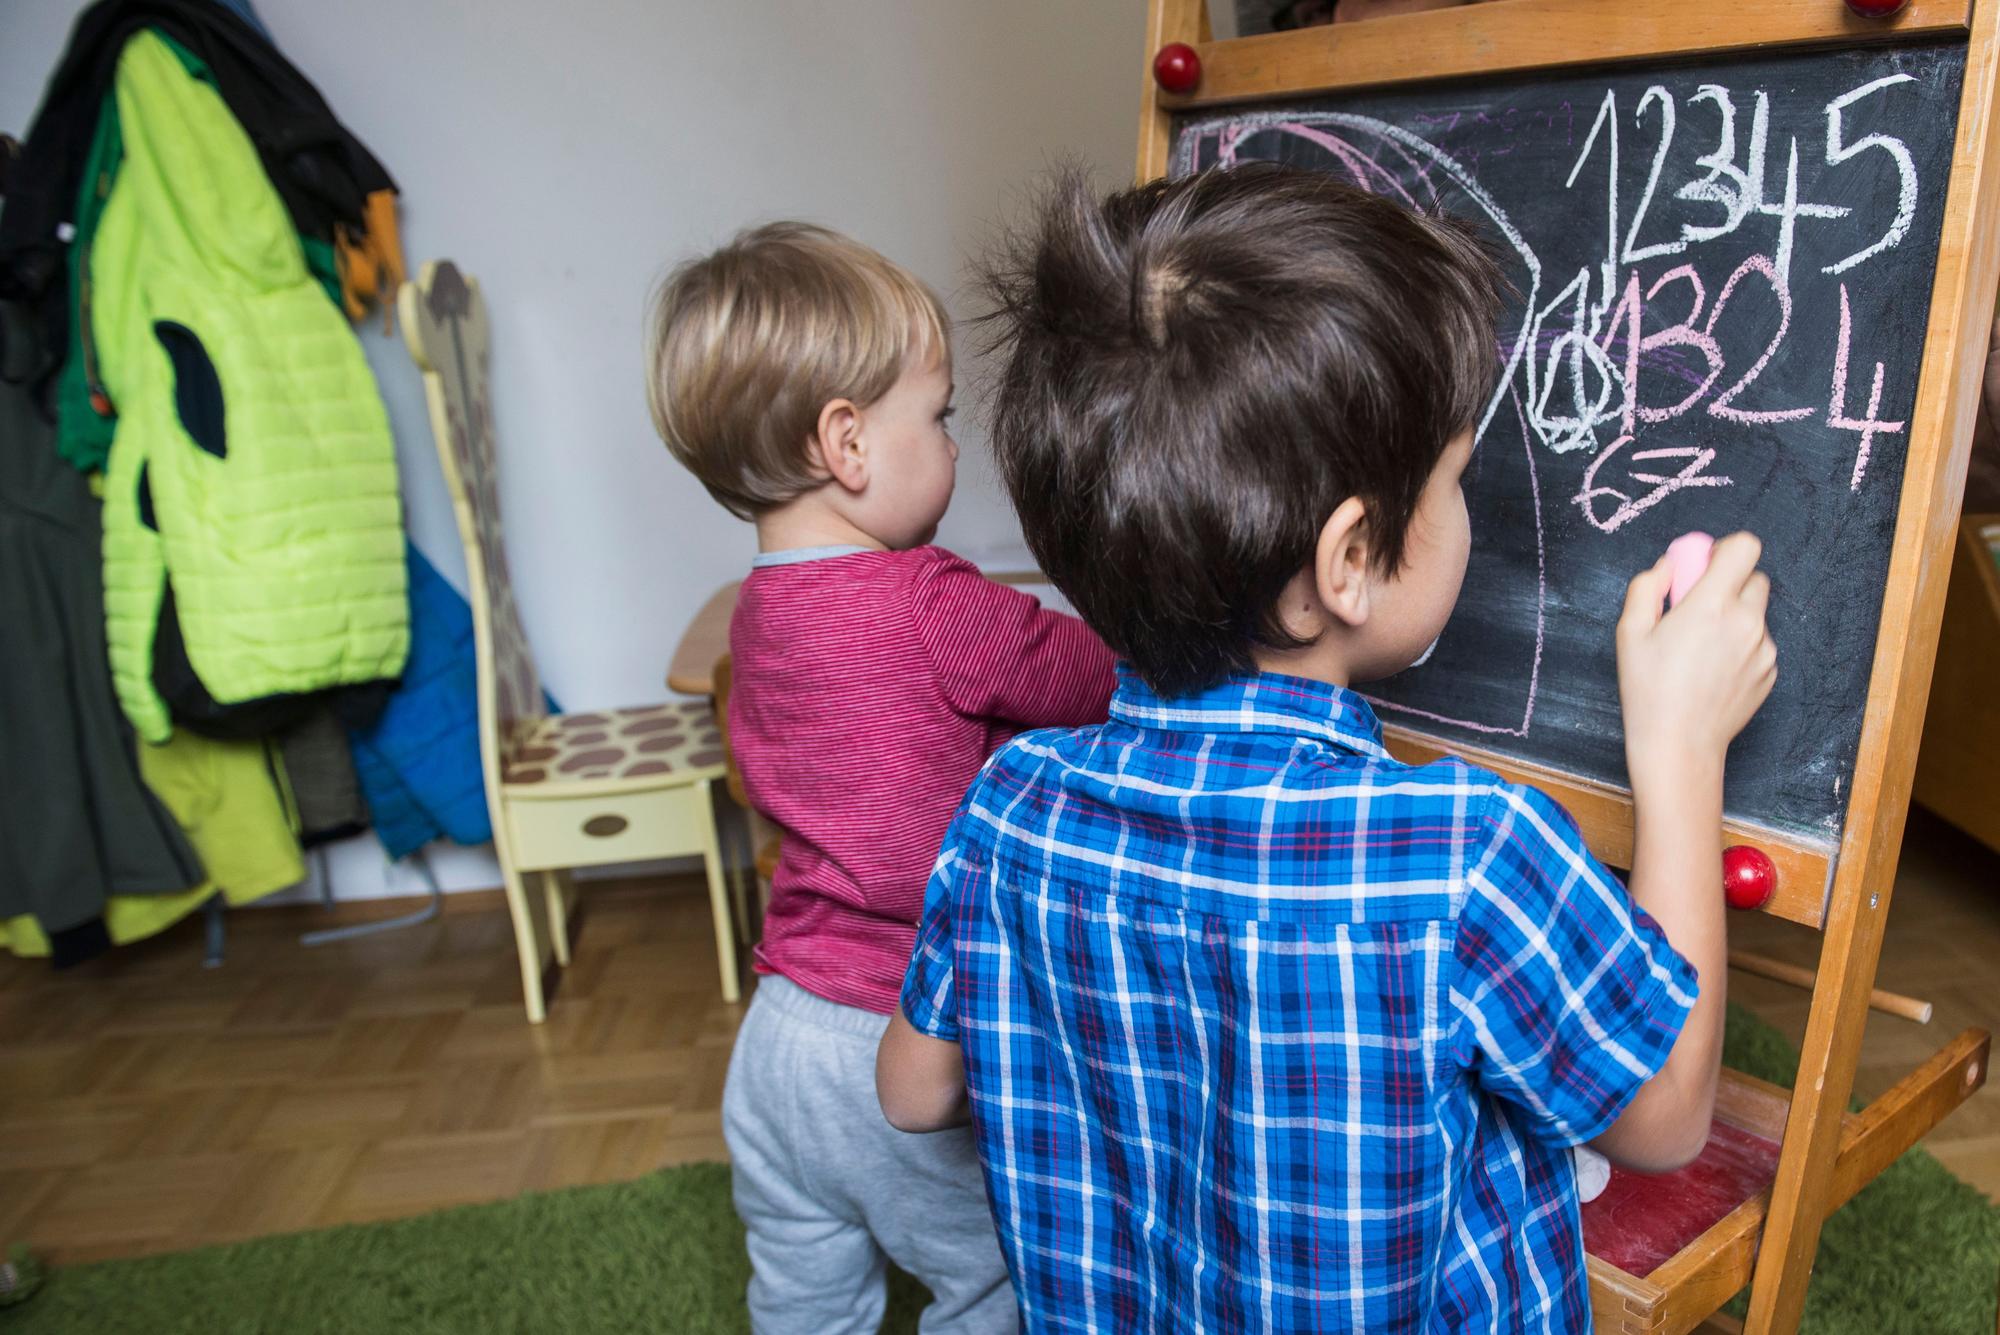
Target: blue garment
[(419, 763), (243, 11), (1265, 1031)]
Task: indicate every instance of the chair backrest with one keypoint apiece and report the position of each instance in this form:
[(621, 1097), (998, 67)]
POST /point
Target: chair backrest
[(444, 321), (734, 776)]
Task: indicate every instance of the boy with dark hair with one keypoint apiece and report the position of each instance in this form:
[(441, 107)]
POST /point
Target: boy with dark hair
[(1259, 1029)]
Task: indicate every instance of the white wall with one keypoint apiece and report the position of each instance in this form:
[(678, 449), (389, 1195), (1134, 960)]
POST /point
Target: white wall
[(567, 154)]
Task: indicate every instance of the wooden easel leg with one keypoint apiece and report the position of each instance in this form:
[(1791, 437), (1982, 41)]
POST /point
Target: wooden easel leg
[(1799, 1195)]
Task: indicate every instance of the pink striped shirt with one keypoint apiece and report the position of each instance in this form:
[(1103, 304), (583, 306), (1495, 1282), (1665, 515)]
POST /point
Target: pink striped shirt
[(869, 688)]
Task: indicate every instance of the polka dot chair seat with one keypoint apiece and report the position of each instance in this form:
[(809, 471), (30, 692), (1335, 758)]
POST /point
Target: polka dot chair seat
[(573, 790), (645, 742)]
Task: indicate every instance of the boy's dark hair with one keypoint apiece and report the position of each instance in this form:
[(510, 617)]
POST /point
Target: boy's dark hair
[(1195, 373)]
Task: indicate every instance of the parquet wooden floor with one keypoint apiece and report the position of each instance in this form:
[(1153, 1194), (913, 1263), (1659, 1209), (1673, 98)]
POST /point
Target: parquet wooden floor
[(147, 1104)]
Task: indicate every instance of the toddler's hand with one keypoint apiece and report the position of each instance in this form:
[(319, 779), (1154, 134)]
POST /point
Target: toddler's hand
[(1690, 679)]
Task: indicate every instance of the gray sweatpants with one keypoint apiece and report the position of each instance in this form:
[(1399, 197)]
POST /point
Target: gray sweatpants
[(826, 1186)]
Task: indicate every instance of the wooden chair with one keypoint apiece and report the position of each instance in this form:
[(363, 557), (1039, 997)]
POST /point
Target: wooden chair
[(763, 836), (568, 790)]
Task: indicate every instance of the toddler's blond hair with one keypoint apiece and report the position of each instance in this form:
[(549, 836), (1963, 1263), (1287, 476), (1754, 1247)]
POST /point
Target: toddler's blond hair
[(751, 342)]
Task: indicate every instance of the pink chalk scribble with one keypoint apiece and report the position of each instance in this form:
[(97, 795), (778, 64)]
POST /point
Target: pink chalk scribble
[(1836, 405), (1692, 474), (1683, 334), (1764, 267)]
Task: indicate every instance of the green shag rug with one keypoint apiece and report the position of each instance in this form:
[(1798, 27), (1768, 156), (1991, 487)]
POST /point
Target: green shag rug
[(1917, 1252)]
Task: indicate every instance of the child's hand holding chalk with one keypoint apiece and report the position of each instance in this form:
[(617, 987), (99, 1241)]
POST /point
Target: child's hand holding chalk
[(1691, 679), (1688, 555)]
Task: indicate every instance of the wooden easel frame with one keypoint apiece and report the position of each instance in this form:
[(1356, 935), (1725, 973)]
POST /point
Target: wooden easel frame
[(1843, 890)]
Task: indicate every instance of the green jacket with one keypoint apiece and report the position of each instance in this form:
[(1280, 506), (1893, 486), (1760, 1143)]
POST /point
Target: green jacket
[(84, 427), (253, 544)]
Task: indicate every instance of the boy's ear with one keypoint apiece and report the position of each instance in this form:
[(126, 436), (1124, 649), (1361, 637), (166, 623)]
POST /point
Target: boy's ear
[(837, 446), (1340, 564)]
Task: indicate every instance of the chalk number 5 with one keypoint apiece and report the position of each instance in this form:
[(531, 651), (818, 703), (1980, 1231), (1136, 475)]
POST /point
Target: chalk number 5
[(1838, 152)]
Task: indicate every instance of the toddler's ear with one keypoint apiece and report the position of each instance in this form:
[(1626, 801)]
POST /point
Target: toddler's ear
[(837, 447), (1340, 564)]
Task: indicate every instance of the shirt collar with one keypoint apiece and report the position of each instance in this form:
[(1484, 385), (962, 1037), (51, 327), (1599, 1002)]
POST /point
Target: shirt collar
[(1255, 702), (801, 555)]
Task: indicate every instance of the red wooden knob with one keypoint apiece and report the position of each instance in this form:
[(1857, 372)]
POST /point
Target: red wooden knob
[(1876, 9), (1749, 877), (1177, 68)]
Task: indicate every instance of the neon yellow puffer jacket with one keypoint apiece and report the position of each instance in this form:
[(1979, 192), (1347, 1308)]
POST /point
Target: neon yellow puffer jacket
[(251, 520)]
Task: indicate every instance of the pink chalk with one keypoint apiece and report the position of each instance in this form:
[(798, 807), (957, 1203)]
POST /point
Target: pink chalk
[(1689, 555)]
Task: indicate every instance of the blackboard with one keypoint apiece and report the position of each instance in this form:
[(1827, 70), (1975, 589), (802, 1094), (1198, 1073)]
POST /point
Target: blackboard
[(1724, 274)]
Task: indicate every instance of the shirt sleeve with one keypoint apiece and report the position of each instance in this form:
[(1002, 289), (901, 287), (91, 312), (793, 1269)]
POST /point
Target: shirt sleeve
[(999, 654), (1568, 997), (930, 985)]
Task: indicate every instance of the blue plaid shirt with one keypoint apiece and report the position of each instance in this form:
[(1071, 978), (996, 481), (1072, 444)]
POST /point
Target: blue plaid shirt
[(1264, 1031)]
